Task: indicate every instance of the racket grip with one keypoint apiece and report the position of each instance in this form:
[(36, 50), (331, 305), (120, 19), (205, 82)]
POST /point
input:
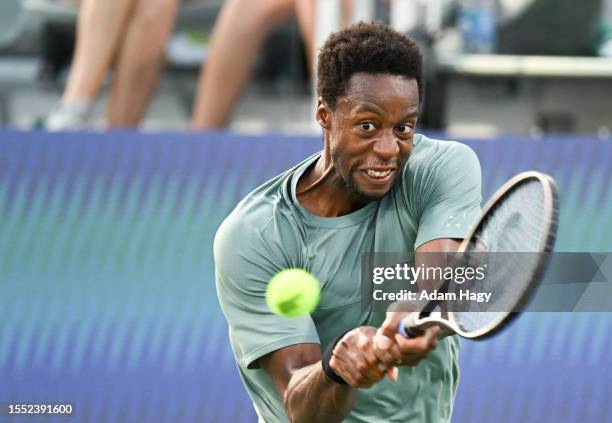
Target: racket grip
[(401, 329), (406, 324)]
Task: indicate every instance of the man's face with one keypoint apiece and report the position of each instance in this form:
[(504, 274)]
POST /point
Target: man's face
[(371, 132)]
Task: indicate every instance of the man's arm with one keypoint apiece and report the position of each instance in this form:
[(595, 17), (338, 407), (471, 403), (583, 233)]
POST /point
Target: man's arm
[(443, 245), (452, 195), (309, 395), (399, 349)]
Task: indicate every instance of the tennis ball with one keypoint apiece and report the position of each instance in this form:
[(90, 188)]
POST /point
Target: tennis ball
[(292, 293)]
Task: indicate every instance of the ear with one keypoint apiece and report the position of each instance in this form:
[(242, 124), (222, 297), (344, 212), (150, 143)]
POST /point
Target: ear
[(323, 114)]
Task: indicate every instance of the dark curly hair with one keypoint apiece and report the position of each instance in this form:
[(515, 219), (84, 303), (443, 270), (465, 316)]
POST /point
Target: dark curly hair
[(365, 47)]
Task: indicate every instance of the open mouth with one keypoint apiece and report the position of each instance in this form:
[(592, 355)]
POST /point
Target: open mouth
[(378, 175)]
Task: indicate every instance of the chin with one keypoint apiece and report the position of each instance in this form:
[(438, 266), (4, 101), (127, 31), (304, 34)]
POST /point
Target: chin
[(369, 193), (372, 195)]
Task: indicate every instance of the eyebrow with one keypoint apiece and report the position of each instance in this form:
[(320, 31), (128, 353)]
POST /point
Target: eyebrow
[(411, 115), (375, 109), (366, 108)]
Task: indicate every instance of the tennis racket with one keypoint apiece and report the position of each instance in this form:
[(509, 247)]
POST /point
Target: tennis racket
[(521, 217)]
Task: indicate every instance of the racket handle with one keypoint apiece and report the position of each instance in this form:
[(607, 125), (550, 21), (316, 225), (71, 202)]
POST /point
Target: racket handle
[(406, 325), (401, 329)]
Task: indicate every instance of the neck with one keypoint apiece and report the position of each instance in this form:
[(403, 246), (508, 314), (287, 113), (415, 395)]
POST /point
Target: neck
[(322, 191)]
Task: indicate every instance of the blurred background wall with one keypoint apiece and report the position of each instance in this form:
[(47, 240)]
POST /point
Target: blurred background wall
[(107, 295)]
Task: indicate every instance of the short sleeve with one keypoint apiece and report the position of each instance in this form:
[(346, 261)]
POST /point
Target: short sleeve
[(452, 195), (244, 263)]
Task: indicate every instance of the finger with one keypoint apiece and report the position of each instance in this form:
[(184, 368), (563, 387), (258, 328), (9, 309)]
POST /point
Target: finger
[(393, 373), (369, 354), (420, 344), (396, 353), (370, 368), (431, 337), (351, 351), (366, 378), (370, 374), (386, 351), (389, 326), (417, 349), (366, 353), (396, 312), (408, 346), (361, 372), (339, 367)]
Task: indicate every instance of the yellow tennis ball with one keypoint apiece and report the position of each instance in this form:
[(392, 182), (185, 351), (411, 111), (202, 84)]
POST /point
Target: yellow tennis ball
[(292, 293)]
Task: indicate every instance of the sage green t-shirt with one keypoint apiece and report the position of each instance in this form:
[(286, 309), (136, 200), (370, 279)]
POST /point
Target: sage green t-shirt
[(437, 196)]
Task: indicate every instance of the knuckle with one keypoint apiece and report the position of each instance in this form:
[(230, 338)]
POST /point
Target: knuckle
[(389, 359), (333, 363), (371, 360), (363, 341)]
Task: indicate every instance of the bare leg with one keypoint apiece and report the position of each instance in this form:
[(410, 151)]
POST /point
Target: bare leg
[(239, 32), (100, 28), (140, 61)]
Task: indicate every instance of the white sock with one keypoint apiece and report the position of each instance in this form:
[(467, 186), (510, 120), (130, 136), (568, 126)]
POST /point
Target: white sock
[(71, 115)]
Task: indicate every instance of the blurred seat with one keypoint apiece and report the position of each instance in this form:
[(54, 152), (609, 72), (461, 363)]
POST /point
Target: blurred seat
[(13, 23), (17, 70), (52, 11)]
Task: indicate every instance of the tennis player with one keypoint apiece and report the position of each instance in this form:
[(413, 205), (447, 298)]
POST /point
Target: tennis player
[(376, 186)]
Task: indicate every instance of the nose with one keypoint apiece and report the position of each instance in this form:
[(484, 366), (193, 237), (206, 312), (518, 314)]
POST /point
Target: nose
[(387, 146)]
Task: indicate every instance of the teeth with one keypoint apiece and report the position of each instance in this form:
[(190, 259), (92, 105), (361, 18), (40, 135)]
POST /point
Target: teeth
[(378, 174)]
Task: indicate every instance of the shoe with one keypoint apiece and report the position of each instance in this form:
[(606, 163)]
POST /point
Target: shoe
[(71, 116)]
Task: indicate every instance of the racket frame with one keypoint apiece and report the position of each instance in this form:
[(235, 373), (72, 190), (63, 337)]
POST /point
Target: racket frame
[(416, 322)]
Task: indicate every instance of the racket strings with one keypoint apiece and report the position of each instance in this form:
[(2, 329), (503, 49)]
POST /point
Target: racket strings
[(515, 229), (518, 223)]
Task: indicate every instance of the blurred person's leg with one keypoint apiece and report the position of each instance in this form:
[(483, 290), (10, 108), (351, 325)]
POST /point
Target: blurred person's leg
[(237, 38), (140, 61), (100, 27)]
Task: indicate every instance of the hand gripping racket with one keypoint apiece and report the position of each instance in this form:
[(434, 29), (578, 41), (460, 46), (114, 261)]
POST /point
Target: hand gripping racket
[(521, 217)]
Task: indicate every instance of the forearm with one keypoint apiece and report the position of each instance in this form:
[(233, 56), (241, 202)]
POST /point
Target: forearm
[(312, 396)]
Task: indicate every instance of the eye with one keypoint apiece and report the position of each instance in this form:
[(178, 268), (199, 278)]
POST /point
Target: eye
[(367, 126), (405, 129)]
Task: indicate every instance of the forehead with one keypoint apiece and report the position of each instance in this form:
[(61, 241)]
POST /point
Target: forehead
[(381, 89)]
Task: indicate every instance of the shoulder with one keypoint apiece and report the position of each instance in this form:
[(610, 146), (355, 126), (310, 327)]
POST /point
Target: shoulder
[(430, 154), (247, 225), (260, 229), (436, 167)]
